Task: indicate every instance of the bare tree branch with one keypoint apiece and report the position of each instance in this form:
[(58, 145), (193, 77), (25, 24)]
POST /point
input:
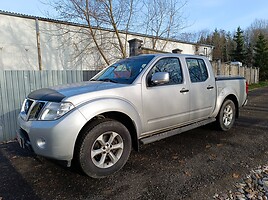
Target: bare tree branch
[(107, 23)]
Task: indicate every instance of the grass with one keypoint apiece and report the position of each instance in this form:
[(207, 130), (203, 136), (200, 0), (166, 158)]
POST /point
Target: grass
[(258, 85)]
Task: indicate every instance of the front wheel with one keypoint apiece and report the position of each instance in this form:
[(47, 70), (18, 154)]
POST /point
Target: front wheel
[(103, 148), (226, 116)]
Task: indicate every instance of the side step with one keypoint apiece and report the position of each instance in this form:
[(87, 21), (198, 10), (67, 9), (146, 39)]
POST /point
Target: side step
[(166, 134)]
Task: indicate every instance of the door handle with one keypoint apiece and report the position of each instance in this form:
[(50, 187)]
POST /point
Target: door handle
[(183, 90), (210, 87)]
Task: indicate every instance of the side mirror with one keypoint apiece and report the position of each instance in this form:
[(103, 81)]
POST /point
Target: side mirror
[(160, 78)]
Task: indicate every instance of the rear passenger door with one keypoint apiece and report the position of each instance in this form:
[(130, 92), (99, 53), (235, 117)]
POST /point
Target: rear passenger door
[(202, 89)]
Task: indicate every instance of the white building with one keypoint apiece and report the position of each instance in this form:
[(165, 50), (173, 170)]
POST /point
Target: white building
[(33, 43)]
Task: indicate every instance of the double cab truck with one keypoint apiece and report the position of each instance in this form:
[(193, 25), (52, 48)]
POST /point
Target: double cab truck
[(135, 101)]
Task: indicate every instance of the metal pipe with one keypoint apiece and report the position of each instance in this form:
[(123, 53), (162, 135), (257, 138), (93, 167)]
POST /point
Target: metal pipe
[(38, 44)]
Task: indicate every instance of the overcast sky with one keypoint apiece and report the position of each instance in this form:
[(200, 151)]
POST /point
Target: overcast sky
[(200, 14)]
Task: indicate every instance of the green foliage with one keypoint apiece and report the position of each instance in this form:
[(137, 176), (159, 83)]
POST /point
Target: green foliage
[(222, 43), (249, 47), (249, 60), (261, 56), (258, 85), (239, 53)]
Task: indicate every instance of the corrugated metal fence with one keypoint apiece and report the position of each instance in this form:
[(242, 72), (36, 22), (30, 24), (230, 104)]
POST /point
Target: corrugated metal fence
[(16, 85)]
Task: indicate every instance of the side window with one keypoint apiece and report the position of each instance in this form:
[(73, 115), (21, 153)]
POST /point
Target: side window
[(170, 65), (197, 70)]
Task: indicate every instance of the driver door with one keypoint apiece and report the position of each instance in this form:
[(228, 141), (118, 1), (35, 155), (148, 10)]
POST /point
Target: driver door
[(166, 105)]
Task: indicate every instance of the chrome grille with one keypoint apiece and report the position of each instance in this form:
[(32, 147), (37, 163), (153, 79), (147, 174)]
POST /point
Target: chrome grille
[(27, 105), (36, 109), (32, 109)]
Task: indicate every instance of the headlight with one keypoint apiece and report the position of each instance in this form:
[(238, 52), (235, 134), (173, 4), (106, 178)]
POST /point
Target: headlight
[(53, 111)]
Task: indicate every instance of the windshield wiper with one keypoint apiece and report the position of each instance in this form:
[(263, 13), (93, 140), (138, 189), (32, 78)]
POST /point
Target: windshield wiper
[(107, 80)]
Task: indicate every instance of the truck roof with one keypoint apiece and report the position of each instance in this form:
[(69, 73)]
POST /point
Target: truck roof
[(173, 54)]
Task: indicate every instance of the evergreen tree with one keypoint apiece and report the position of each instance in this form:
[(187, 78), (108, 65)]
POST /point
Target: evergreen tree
[(239, 53), (215, 39), (249, 55), (230, 45), (261, 57), (218, 40)]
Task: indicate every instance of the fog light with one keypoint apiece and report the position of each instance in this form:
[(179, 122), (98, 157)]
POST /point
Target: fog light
[(41, 143)]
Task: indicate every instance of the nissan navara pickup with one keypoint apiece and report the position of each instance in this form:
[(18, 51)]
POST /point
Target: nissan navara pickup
[(137, 100)]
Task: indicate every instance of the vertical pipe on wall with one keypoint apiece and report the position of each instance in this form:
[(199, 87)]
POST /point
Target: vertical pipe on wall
[(38, 44)]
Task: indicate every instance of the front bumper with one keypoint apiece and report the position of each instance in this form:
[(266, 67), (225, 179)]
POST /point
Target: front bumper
[(53, 139), (23, 140)]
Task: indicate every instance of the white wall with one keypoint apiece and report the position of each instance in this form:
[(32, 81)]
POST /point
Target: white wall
[(18, 49), (60, 44)]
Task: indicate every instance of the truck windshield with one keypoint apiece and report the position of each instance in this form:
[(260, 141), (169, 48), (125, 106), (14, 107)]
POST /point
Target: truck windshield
[(124, 71)]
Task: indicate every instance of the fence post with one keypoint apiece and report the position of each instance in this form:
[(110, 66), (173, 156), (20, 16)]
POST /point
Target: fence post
[(255, 77), (219, 67), (251, 74), (258, 71)]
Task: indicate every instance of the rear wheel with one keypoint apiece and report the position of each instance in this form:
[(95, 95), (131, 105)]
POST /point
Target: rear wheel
[(226, 116), (104, 148)]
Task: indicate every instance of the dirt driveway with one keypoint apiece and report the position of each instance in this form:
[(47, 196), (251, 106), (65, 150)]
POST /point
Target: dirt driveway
[(193, 165)]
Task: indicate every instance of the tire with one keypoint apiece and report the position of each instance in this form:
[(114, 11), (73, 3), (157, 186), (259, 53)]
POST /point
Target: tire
[(104, 148), (226, 116)]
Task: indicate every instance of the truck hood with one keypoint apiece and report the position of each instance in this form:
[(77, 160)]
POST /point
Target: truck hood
[(57, 93)]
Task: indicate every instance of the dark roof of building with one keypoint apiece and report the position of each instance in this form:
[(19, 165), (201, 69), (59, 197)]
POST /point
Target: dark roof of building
[(83, 25)]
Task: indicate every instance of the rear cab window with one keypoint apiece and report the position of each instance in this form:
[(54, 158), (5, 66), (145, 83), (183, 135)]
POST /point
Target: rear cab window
[(197, 70)]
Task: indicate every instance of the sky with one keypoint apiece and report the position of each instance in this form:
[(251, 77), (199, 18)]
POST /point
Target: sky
[(200, 14), (225, 14)]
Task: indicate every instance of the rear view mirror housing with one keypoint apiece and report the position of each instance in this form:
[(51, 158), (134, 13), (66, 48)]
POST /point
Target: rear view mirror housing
[(160, 78)]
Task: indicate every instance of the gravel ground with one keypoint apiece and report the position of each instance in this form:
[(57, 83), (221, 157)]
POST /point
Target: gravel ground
[(199, 164), (253, 186)]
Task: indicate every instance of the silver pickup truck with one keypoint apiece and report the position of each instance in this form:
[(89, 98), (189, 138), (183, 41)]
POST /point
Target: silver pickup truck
[(135, 101)]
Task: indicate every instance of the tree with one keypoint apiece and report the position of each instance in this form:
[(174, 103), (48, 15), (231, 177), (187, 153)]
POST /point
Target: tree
[(218, 40), (159, 18), (261, 57), (194, 37), (253, 31), (97, 14), (239, 53), (162, 19), (222, 43), (228, 47), (249, 60)]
